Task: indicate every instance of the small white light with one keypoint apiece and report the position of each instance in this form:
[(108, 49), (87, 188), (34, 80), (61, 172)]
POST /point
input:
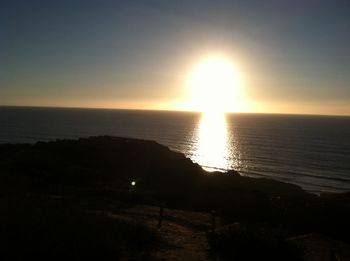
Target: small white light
[(133, 183)]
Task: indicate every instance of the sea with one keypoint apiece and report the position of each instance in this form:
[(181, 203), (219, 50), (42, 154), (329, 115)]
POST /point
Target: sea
[(310, 151)]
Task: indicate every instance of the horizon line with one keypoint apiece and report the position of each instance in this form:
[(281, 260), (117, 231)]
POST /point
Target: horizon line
[(167, 110)]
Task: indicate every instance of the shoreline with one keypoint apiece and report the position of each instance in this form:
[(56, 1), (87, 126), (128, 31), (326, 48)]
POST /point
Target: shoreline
[(213, 171), (207, 169)]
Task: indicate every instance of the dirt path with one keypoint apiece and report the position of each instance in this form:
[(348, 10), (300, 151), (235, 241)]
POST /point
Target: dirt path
[(183, 232)]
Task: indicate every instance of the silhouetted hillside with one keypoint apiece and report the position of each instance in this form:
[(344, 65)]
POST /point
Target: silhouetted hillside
[(96, 173)]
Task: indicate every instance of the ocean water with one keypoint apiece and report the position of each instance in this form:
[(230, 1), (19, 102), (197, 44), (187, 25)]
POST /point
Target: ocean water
[(310, 151)]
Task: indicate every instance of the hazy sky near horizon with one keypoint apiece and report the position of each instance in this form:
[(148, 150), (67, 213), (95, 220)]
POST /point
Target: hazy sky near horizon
[(294, 56)]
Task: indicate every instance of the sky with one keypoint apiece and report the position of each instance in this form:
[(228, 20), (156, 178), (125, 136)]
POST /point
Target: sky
[(292, 56)]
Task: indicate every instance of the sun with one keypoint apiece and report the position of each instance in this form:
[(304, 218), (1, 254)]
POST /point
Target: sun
[(214, 85)]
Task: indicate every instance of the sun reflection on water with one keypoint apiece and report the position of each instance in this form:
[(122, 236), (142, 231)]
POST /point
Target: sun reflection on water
[(213, 149)]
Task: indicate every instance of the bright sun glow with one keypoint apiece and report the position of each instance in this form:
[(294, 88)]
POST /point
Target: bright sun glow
[(215, 85)]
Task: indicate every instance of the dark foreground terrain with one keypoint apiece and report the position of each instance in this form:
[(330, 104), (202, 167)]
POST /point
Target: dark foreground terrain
[(74, 199)]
